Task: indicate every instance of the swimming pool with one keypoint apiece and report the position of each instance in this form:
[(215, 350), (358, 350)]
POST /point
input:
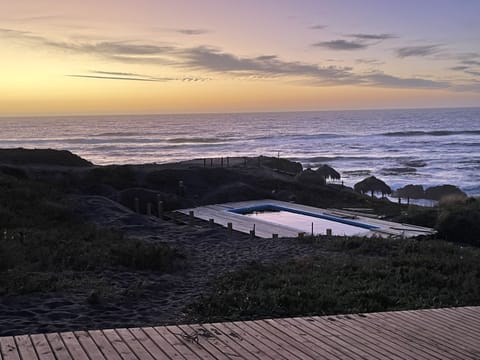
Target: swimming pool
[(304, 221)]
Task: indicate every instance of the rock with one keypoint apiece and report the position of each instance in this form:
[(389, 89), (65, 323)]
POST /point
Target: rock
[(22, 156), (438, 192)]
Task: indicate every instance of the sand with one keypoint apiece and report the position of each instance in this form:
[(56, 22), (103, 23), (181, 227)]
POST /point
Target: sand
[(144, 298)]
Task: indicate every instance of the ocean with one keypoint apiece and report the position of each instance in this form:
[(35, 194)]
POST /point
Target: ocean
[(418, 146)]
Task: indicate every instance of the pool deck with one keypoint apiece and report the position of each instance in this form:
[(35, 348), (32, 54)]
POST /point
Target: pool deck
[(450, 333), (220, 215)]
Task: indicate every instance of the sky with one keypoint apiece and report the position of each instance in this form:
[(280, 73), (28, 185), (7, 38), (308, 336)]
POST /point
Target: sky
[(155, 56)]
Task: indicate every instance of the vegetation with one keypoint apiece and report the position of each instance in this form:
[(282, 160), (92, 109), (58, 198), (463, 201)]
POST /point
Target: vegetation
[(42, 243), (42, 156), (459, 221), (356, 275)]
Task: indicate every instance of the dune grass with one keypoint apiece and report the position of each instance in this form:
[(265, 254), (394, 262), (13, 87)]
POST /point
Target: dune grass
[(42, 242), (356, 275)]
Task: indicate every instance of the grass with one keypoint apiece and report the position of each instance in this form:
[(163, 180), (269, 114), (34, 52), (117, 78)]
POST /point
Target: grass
[(356, 275), (44, 247)]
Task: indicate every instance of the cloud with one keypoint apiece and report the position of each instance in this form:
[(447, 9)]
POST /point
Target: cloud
[(317, 27), (210, 59), (214, 60), (373, 36), (385, 80), (421, 50), (369, 61), (341, 45), (119, 50), (115, 75), (471, 62), (116, 78), (459, 68), (192, 31)]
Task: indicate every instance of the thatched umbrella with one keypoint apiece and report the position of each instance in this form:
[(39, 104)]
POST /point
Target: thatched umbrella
[(372, 185), (410, 192), (310, 177), (328, 172)]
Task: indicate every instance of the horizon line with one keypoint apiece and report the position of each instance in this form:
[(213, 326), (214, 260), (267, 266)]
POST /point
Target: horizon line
[(43, 115)]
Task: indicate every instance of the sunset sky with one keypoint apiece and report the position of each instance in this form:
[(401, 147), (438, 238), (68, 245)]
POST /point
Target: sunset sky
[(154, 56)]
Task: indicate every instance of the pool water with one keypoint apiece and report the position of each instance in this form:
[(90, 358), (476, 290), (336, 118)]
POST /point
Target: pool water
[(303, 223)]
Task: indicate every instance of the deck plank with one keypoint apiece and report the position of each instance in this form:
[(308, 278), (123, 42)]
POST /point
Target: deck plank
[(305, 338), (134, 344), (42, 347), (301, 350), (119, 345), (25, 347), (416, 333), (196, 344), (104, 345), (162, 343), (438, 334), (386, 346), (73, 346), (338, 343), (58, 346), (278, 348), (214, 341), (89, 345), (240, 345), (177, 341), (9, 348)]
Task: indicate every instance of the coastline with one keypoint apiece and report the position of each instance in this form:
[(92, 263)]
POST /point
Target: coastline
[(117, 296)]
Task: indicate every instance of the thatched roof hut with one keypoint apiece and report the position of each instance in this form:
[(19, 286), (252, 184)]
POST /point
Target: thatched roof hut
[(410, 192), (328, 172), (310, 177), (372, 185)]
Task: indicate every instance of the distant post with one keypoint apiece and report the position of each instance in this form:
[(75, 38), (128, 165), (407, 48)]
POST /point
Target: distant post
[(329, 232), (230, 228), (160, 207), (228, 161), (190, 217), (221, 162), (274, 236), (211, 222), (149, 209)]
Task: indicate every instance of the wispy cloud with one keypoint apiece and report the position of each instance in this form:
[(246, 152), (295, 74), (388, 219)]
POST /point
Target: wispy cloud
[(369, 61), (471, 62), (373, 36), (115, 78), (420, 50), (210, 59), (385, 80), (213, 60), (341, 45), (115, 75), (192, 31), (459, 68), (317, 27)]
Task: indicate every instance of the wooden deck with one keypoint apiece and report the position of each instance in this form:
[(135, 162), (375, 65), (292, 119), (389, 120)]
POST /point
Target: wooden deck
[(263, 229), (452, 333)]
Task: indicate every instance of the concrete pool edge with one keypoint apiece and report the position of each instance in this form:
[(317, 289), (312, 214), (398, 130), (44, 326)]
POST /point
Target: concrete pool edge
[(219, 214)]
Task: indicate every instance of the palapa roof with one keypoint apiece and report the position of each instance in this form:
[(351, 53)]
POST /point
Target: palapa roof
[(370, 184), (328, 172)]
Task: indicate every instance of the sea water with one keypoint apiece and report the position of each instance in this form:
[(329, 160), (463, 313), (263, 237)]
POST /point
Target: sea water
[(418, 146)]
